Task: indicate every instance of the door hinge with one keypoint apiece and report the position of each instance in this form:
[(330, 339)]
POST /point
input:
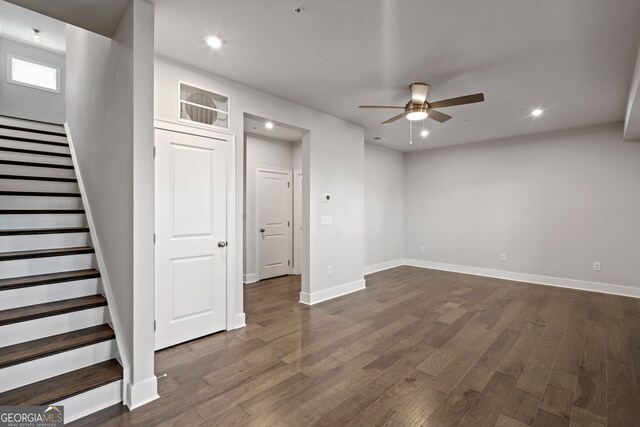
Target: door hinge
[(289, 262), (288, 184), (154, 151), (154, 238), (288, 223), (154, 325)]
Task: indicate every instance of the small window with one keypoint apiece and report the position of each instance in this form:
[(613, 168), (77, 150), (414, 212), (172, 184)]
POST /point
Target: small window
[(32, 73)]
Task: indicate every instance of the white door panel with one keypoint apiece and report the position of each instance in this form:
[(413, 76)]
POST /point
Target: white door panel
[(190, 223), (274, 221)]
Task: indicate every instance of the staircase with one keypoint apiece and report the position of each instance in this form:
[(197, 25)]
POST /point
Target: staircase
[(56, 344)]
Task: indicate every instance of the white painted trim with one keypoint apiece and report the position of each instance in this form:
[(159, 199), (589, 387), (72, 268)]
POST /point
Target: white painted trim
[(142, 392), (582, 285), (250, 278), (104, 274), (10, 79), (369, 269), (87, 403), (33, 44), (190, 129), (336, 291), (240, 321)]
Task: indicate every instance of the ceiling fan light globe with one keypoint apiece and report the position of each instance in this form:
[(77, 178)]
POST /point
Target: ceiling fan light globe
[(417, 115)]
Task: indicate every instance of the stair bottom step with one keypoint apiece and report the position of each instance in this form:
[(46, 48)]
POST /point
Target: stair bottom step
[(61, 387)]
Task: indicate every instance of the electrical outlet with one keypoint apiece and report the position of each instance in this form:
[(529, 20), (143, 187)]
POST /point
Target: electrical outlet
[(597, 266), (422, 249), (503, 257), (329, 270)]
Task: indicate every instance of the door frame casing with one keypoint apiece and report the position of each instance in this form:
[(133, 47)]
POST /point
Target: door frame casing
[(230, 138), (289, 173)]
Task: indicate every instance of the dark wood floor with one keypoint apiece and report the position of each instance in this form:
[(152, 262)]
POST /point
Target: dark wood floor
[(417, 347)]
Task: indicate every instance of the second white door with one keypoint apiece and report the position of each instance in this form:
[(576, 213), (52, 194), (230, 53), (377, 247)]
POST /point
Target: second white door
[(274, 222)]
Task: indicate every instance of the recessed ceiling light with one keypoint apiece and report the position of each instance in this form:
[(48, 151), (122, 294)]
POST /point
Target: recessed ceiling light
[(424, 133), (215, 42), (536, 112), (36, 35), (268, 125)]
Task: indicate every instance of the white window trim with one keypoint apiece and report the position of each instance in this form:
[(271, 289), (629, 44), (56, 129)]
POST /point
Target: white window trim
[(10, 56)]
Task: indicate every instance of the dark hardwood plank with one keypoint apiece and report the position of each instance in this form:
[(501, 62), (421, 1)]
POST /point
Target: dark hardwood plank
[(32, 231), (50, 309), (48, 346), (63, 386), (37, 178), (45, 253), (46, 279)]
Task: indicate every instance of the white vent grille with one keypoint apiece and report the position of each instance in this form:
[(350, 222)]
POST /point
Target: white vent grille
[(202, 106)]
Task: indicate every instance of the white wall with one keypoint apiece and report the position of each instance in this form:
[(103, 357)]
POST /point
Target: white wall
[(111, 125), (333, 155), (260, 151), (27, 102), (554, 203), (383, 207)]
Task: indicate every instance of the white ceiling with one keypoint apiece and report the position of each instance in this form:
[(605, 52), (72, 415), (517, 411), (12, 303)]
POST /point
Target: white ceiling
[(573, 58), (281, 131), (99, 16), (18, 23)]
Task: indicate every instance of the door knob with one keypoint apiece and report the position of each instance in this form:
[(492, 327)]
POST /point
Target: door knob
[(262, 230), (222, 244)]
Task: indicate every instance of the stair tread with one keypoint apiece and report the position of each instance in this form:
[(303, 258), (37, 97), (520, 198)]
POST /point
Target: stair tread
[(64, 386), (39, 193), (40, 211), (37, 311), (36, 152), (35, 164), (31, 231), (30, 350), (28, 129), (45, 253), (46, 279), (38, 178)]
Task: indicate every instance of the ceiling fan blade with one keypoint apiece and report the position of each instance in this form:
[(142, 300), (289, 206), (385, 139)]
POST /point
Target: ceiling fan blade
[(438, 116), (394, 118), (469, 99), (378, 106)]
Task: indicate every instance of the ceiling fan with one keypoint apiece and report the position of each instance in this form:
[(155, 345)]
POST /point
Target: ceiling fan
[(418, 108)]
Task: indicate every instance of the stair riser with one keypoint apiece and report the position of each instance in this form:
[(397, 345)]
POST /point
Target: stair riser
[(10, 222), (36, 158), (37, 171), (91, 401), (16, 333), (33, 266), (40, 202), (28, 185), (57, 364), (21, 297), (42, 241), (10, 133), (34, 146), (31, 125)]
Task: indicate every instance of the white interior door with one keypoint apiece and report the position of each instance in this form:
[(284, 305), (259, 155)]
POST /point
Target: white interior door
[(274, 222), (190, 236)]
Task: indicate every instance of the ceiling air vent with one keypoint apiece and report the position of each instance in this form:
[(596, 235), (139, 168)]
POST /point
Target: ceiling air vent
[(197, 105)]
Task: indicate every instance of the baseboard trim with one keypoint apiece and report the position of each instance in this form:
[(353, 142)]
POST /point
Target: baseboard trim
[(336, 291), (240, 321), (141, 393), (250, 278), (581, 285), (383, 266)]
